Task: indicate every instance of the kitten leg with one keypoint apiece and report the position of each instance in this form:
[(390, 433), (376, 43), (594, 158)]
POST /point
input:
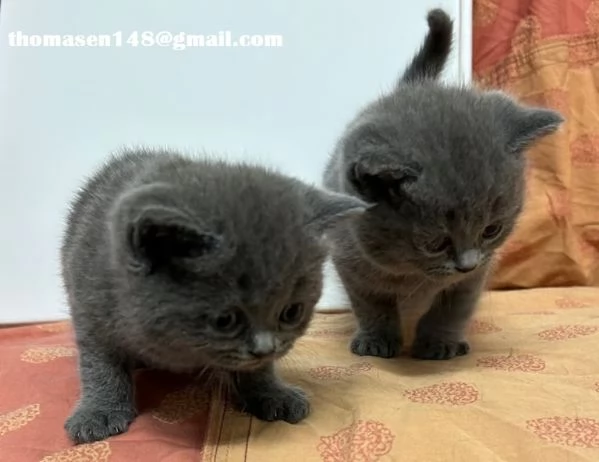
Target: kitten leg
[(379, 329), (440, 333), (262, 394), (106, 406)]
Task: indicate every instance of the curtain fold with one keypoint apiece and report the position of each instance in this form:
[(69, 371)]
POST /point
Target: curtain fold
[(546, 53)]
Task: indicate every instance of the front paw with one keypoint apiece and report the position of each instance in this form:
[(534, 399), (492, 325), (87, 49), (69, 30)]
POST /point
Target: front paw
[(439, 349), (380, 344), (282, 402), (90, 423)]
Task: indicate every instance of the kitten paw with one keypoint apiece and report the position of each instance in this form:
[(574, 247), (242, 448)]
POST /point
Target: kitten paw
[(289, 404), (89, 424), (437, 349), (375, 344)]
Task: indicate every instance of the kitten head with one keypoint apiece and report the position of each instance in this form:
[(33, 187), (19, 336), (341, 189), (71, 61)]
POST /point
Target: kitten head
[(446, 168), (222, 267)]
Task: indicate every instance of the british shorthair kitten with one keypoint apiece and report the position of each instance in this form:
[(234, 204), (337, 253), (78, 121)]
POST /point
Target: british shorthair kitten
[(184, 265), (445, 166)]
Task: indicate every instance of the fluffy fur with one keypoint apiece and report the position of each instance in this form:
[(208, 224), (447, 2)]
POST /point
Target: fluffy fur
[(445, 166), (184, 265)]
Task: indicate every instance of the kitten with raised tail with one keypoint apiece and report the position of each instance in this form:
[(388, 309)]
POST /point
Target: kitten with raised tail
[(185, 265), (445, 166)]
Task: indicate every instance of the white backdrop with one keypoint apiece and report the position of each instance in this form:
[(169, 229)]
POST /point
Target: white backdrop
[(63, 109)]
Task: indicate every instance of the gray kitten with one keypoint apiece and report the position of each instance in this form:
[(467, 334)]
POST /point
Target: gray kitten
[(184, 265), (445, 166)]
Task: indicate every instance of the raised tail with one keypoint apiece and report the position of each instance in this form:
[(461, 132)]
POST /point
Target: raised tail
[(432, 56)]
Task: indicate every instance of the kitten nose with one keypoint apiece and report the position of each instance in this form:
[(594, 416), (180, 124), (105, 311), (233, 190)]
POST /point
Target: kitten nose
[(263, 345), (467, 261)]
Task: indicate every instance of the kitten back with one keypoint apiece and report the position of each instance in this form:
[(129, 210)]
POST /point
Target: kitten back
[(430, 60)]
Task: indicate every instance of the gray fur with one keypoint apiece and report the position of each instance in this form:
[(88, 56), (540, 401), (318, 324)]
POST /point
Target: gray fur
[(429, 62), (445, 166), (185, 265)]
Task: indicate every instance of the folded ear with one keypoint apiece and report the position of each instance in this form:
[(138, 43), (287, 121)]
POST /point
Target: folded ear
[(155, 233), (327, 209)]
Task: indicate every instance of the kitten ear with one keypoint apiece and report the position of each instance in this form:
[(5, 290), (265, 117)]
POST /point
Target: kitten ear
[(524, 124), (381, 178), (327, 209), (158, 236), (532, 124), (378, 171), (155, 233)]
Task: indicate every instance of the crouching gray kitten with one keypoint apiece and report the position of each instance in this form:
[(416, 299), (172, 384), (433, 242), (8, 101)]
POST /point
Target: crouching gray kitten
[(445, 166), (185, 265)]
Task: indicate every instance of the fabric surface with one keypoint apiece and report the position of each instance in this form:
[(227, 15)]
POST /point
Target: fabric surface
[(546, 52), (528, 391)]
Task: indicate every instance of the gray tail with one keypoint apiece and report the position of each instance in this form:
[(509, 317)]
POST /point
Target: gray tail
[(432, 56)]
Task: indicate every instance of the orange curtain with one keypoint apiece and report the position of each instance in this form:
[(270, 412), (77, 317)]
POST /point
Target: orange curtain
[(546, 52)]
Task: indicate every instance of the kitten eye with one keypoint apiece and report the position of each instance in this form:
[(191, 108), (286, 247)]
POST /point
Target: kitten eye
[(292, 313), (492, 231), (227, 322), (438, 245)]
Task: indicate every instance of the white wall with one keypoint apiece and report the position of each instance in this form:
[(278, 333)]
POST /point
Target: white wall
[(63, 109)]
